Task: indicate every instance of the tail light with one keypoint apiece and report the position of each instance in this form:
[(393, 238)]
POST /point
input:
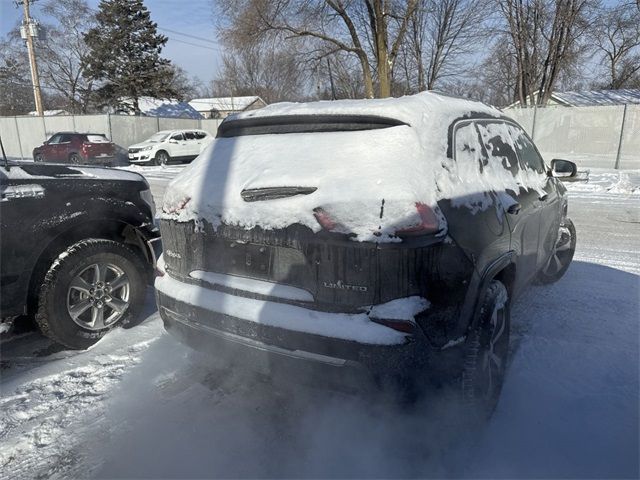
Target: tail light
[(324, 219), (176, 207), (429, 222)]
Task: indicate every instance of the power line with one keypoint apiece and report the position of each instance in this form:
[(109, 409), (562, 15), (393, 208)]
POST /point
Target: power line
[(195, 37), (194, 44)]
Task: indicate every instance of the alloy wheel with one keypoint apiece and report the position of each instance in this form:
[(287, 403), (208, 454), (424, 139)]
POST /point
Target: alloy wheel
[(98, 296), (494, 353), (163, 158), (561, 253)]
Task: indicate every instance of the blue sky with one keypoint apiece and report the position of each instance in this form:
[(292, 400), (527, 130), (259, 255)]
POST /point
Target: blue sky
[(191, 17)]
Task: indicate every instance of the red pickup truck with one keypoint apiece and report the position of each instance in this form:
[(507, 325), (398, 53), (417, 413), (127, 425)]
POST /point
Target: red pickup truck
[(77, 148)]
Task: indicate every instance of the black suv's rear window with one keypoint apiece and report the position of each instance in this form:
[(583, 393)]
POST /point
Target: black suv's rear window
[(303, 124)]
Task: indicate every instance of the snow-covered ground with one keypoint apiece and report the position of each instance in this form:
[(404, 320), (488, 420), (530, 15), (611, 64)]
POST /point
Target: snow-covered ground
[(140, 405)]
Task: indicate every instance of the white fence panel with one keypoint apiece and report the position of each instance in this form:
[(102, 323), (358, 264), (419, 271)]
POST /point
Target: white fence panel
[(92, 124), (32, 133), (127, 130), (10, 137), (210, 125), (630, 146)]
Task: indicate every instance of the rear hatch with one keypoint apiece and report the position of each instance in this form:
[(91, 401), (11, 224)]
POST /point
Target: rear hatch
[(342, 208), (97, 146)]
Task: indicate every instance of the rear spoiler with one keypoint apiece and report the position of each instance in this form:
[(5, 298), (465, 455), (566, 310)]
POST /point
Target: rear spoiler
[(279, 124)]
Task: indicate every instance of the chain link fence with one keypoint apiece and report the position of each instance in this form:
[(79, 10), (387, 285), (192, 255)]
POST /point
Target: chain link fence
[(595, 137), (20, 135)]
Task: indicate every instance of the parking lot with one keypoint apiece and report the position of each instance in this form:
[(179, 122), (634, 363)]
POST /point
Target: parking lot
[(138, 404)]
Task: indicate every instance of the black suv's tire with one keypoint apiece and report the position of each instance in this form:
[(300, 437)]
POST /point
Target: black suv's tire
[(94, 286), (161, 158), (486, 351), (562, 255)]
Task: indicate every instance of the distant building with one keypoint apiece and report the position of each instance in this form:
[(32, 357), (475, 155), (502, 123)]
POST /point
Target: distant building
[(587, 98), (157, 107), (221, 107), (51, 113)]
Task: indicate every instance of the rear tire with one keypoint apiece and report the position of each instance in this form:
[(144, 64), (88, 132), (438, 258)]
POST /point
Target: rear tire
[(161, 158), (562, 255), (485, 353), (75, 159), (95, 286)]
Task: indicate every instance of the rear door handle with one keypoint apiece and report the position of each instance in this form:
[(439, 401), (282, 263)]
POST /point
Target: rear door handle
[(514, 209)]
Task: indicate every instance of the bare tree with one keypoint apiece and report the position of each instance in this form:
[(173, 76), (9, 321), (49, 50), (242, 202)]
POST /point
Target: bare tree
[(616, 35), (441, 34), (63, 51), (17, 95), (370, 30), (260, 69), (544, 36)]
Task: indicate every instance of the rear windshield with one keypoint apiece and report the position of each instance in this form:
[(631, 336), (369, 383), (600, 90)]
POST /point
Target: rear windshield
[(97, 139), (303, 124)]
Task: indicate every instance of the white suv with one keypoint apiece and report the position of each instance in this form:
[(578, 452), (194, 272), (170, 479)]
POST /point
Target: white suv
[(168, 145)]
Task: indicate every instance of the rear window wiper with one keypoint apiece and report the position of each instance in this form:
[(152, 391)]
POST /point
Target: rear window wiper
[(279, 124)]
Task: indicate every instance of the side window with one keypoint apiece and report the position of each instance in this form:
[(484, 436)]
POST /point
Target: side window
[(470, 155), (177, 136), (200, 135), (55, 139), (529, 157), (190, 135), (499, 145), (65, 138)]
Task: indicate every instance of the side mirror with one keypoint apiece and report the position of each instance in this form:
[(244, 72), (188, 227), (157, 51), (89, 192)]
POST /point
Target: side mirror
[(563, 168)]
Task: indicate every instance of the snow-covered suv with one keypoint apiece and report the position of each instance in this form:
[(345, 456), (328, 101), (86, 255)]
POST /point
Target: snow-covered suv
[(168, 145), (392, 234)]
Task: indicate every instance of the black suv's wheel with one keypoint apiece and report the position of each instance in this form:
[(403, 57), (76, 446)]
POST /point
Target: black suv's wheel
[(486, 351), (162, 158), (90, 289), (562, 255)]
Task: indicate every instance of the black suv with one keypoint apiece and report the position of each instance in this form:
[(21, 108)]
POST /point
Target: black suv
[(391, 234), (78, 247)]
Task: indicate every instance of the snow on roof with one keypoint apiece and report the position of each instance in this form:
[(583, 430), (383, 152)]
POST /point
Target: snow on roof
[(156, 107), (223, 103), (51, 113), (599, 97), (422, 111)]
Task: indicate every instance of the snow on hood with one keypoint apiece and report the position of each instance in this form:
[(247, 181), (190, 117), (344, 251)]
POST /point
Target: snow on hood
[(367, 181)]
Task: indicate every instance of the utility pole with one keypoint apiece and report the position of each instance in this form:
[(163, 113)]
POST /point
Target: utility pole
[(333, 88), (28, 31)]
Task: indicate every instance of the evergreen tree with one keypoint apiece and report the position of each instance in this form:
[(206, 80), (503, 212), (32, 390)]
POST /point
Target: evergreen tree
[(124, 56)]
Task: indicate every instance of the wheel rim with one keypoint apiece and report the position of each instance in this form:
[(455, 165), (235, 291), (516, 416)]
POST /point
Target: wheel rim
[(162, 158), (561, 252), (98, 296), (75, 159), (493, 357)]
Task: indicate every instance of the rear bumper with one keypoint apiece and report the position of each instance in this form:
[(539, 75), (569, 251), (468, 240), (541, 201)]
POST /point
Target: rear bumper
[(108, 160), (229, 336)]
